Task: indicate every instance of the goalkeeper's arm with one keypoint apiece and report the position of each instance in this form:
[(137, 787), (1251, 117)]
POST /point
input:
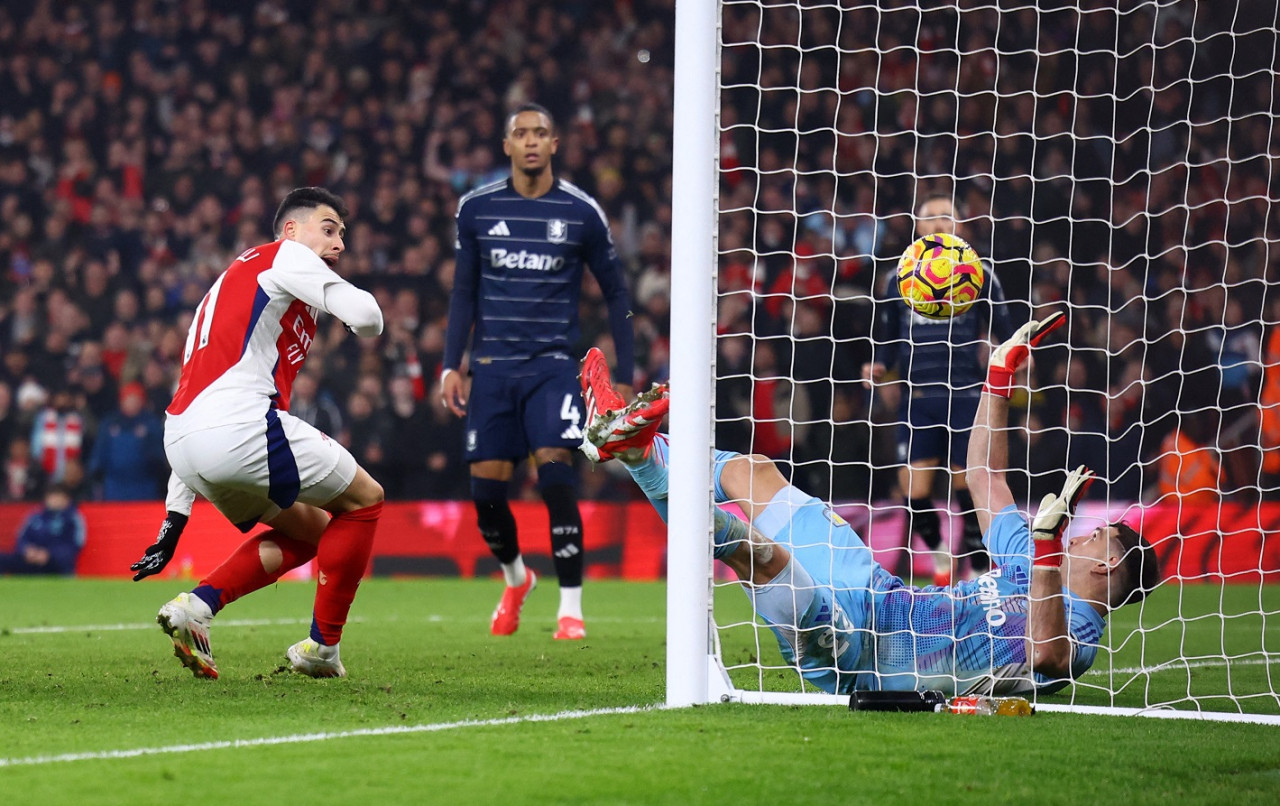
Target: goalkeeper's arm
[(1050, 648), (988, 456)]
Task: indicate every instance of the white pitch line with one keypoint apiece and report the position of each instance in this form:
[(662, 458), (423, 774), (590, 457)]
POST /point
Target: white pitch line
[(59, 629), (1174, 665), (150, 625), (300, 738)]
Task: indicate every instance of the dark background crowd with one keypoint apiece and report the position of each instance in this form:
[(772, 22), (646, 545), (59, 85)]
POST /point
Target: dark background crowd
[(1115, 161)]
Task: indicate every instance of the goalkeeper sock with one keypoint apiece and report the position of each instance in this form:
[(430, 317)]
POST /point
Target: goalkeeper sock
[(342, 558), (255, 564), (730, 532), (651, 473)]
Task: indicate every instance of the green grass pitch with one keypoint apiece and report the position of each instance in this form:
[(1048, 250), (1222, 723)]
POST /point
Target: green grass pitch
[(95, 710)]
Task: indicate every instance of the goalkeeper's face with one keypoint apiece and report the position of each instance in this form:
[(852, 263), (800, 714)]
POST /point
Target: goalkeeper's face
[(530, 142), (1097, 551), (320, 229)]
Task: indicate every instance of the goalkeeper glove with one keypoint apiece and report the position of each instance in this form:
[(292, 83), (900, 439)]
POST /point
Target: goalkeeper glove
[(1006, 358), (159, 553), (1055, 510)]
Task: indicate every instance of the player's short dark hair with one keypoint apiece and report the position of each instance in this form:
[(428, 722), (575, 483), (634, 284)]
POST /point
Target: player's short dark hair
[(1139, 563), (306, 199), (529, 106)]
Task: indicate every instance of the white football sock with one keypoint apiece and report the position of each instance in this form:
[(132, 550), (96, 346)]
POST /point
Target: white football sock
[(514, 572), (570, 603)]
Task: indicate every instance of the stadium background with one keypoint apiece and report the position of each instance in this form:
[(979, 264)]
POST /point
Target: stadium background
[(144, 144)]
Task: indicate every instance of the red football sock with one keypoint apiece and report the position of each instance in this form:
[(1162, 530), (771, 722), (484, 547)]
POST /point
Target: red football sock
[(242, 572), (344, 554)]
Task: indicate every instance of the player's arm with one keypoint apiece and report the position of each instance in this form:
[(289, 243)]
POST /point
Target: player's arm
[(885, 330), (462, 310), (355, 307), (177, 503), (1049, 641), (300, 273), (603, 261), (988, 458)]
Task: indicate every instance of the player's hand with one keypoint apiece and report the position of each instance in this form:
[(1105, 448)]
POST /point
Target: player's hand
[(1006, 358), (453, 392), (872, 372), (625, 391), (1055, 512), (159, 553)]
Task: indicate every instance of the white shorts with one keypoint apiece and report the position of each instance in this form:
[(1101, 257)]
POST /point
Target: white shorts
[(251, 471)]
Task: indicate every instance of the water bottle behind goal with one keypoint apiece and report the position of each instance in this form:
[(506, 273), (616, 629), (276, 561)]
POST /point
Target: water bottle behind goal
[(979, 705)]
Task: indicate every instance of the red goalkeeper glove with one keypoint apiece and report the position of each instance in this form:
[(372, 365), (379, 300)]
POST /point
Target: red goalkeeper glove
[(1006, 358), (1055, 511)]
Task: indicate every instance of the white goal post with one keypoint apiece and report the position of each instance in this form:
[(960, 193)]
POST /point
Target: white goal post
[(1125, 154)]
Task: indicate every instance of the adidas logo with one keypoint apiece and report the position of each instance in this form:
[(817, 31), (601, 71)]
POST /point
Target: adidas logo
[(500, 229)]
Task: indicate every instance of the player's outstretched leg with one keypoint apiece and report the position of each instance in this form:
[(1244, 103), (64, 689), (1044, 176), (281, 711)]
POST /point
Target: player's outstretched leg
[(185, 618), (624, 433)]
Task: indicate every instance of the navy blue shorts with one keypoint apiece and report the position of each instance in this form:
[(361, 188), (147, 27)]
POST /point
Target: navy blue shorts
[(513, 412), (936, 427)]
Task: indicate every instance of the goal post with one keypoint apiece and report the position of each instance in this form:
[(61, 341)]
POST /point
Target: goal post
[(693, 258), (1116, 161)]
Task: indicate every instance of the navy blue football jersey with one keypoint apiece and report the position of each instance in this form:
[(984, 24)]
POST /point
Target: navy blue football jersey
[(940, 357), (519, 276)]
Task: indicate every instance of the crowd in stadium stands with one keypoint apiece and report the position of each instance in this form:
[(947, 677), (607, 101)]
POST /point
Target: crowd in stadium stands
[(144, 144)]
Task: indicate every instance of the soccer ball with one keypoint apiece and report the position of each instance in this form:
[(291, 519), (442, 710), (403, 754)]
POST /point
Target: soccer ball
[(940, 276)]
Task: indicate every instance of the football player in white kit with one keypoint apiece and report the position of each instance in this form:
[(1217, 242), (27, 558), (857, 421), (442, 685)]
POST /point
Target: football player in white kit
[(229, 437)]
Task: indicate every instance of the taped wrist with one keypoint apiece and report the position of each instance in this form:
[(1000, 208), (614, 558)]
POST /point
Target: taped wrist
[(999, 382), (1048, 552)]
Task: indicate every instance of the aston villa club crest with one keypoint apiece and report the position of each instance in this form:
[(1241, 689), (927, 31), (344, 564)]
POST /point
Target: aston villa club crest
[(557, 230)]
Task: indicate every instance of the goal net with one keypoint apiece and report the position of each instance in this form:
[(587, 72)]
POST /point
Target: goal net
[(1111, 160)]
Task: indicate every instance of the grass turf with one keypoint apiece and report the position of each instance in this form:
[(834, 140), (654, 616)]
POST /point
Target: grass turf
[(421, 660)]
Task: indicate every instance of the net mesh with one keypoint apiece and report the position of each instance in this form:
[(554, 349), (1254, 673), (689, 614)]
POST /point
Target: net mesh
[(1115, 161)]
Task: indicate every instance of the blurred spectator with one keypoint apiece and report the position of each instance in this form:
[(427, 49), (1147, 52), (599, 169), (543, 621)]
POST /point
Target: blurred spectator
[(50, 540), (9, 427), (23, 478), (58, 438), (405, 472), (316, 407), (1189, 467), (128, 453), (779, 407), (445, 456), (365, 433)]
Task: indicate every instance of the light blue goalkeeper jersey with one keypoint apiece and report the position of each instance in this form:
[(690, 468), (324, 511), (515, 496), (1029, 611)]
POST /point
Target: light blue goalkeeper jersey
[(867, 629)]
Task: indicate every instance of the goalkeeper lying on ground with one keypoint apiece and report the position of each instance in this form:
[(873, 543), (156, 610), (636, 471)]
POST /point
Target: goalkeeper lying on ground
[(1033, 622)]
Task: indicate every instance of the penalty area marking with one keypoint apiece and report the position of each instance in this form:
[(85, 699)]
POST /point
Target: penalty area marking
[(302, 738)]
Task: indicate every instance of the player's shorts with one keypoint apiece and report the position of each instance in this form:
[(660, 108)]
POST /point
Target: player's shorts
[(251, 471), (512, 412), (844, 573), (936, 427)]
